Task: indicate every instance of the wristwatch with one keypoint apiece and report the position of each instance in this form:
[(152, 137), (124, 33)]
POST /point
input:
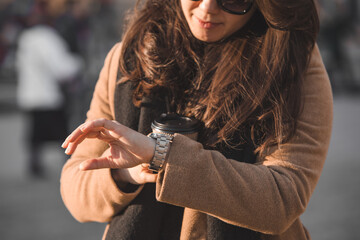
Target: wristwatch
[(162, 147)]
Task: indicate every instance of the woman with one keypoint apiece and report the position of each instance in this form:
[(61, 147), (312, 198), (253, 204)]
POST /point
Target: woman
[(251, 72)]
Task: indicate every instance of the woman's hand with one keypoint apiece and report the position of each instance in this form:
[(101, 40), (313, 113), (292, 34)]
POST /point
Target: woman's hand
[(128, 148)]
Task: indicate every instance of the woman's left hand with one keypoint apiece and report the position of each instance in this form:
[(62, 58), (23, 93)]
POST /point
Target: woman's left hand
[(128, 148)]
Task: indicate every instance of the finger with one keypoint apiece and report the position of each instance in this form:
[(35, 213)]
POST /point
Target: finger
[(145, 165), (70, 149), (72, 145), (78, 136), (91, 126), (113, 126), (66, 142), (148, 176), (97, 163), (79, 131), (73, 135)]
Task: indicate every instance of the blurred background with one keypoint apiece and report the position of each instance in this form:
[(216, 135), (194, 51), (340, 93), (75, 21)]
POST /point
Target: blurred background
[(84, 31)]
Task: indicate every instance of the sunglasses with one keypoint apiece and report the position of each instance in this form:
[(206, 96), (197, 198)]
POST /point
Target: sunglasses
[(238, 7)]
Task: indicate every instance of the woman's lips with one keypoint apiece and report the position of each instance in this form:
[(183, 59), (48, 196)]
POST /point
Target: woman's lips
[(206, 25)]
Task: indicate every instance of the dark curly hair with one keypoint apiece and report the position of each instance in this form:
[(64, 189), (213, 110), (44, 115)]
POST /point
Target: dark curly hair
[(249, 82)]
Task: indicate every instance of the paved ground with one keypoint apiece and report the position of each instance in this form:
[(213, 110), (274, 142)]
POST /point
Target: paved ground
[(32, 209)]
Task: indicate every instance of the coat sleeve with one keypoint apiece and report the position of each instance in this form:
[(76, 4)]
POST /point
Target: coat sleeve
[(93, 195), (267, 196)]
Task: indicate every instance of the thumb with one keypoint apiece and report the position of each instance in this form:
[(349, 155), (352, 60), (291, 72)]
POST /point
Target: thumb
[(148, 176)]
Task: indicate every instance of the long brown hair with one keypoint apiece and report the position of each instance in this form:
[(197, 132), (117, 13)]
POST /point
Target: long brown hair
[(247, 83)]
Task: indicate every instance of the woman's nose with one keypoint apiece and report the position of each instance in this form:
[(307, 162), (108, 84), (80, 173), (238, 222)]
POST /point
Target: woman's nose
[(209, 6)]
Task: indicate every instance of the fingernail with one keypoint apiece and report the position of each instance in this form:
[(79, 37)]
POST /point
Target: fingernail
[(82, 167), (67, 150)]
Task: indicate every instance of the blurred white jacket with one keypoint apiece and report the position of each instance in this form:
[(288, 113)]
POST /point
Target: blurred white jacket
[(43, 61)]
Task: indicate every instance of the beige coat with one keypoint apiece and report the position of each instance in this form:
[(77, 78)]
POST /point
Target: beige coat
[(267, 197)]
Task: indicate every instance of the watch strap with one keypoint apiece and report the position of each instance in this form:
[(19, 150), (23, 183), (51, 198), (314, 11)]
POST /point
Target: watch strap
[(162, 147)]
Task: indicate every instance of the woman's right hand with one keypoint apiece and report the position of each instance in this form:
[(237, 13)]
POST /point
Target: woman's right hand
[(128, 148)]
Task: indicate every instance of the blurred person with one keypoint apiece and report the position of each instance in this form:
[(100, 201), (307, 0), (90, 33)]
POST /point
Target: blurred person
[(100, 28), (7, 29), (105, 31), (74, 26), (252, 73), (352, 48), (44, 63), (3, 19)]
